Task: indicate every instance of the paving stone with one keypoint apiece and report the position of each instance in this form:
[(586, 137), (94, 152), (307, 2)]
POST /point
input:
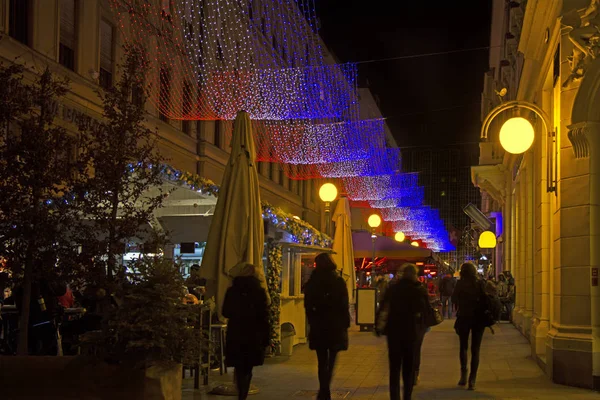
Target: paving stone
[(506, 371)]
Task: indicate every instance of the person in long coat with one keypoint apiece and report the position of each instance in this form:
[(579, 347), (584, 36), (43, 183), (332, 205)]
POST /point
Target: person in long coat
[(466, 296), (326, 304), (245, 306), (405, 304)]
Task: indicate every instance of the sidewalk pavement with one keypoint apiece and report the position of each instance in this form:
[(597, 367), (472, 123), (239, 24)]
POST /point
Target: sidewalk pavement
[(506, 372)]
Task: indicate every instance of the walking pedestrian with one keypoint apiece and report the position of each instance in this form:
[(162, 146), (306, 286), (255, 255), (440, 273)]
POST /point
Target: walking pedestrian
[(405, 303), (447, 286), (467, 296), (245, 306), (326, 304)]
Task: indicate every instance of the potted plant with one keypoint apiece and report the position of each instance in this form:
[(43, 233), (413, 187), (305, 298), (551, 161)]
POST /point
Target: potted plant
[(154, 332)]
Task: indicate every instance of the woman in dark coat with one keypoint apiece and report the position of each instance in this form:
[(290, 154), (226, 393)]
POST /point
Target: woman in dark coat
[(467, 297), (245, 306), (326, 304)]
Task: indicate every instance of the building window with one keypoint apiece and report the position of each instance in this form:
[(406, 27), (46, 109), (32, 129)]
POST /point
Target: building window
[(443, 193), (106, 54), (217, 139), (187, 108), (138, 97), (166, 10), (68, 34), (556, 69), (18, 24), (164, 95), (443, 179)]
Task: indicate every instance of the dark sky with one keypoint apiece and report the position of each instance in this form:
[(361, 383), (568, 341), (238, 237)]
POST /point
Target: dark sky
[(411, 90)]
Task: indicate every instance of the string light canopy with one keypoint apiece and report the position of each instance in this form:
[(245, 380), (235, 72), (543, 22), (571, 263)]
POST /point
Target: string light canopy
[(380, 187), (301, 142), (409, 197), (218, 57)]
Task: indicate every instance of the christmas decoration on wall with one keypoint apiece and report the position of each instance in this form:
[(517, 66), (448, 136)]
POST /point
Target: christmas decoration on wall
[(273, 273), (300, 231)]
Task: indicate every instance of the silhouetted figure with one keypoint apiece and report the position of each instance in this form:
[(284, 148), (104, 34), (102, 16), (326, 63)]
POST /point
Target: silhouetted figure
[(326, 304), (467, 296), (406, 302), (245, 306)]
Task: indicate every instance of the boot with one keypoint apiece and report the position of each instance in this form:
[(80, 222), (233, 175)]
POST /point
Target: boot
[(463, 377), (472, 379)]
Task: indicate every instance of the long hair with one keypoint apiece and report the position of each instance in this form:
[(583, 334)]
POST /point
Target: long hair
[(468, 272), (324, 262)]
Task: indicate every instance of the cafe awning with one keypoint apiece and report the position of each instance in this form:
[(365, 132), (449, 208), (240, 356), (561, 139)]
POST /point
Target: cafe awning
[(386, 247)]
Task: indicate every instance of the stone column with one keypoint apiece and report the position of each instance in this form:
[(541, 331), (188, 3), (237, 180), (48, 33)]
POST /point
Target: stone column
[(542, 261), (569, 343), (593, 137), (529, 243), (507, 231), (517, 257)]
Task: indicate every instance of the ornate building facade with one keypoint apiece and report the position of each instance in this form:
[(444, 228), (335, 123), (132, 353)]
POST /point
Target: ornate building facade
[(549, 196)]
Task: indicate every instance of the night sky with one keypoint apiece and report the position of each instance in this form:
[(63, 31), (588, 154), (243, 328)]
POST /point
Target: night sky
[(412, 91)]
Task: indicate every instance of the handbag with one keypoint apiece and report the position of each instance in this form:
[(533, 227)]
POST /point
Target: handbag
[(433, 316)]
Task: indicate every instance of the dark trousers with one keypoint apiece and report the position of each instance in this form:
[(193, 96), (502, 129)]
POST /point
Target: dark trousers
[(476, 332), (446, 306), (419, 344), (401, 355), (243, 377), (326, 359)]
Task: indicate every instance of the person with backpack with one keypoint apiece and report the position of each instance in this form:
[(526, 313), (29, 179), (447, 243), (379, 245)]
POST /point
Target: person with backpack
[(327, 310), (473, 316)]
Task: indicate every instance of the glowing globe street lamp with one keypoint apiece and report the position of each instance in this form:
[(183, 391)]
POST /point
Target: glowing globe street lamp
[(414, 243), (487, 240), (517, 133), (328, 193), (400, 236)]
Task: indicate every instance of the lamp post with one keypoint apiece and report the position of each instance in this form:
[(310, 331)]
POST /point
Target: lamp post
[(517, 133), (374, 221), (328, 192)]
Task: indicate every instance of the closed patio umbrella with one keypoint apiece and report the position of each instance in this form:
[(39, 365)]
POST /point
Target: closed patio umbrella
[(236, 232), (342, 246)]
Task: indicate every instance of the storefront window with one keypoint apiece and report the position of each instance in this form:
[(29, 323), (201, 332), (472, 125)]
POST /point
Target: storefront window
[(187, 258), (307, 266)]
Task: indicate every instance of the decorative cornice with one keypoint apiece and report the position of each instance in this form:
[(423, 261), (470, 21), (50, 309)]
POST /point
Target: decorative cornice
[(578, 137)]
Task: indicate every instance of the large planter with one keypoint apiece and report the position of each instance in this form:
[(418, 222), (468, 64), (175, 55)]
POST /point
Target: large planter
[(86, 378)]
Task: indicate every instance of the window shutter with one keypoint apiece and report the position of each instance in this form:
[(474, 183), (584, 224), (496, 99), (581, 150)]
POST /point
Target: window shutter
[(67, 23), (106, 46)]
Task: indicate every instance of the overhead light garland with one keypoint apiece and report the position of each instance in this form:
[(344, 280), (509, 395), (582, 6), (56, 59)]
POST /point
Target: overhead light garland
[(409, 197), (301, 142), (234, 56), (380, 187)]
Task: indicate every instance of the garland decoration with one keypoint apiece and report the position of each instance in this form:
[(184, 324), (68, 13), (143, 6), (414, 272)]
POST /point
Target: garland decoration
[(301, 231), (192, 181), (274, 264)]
